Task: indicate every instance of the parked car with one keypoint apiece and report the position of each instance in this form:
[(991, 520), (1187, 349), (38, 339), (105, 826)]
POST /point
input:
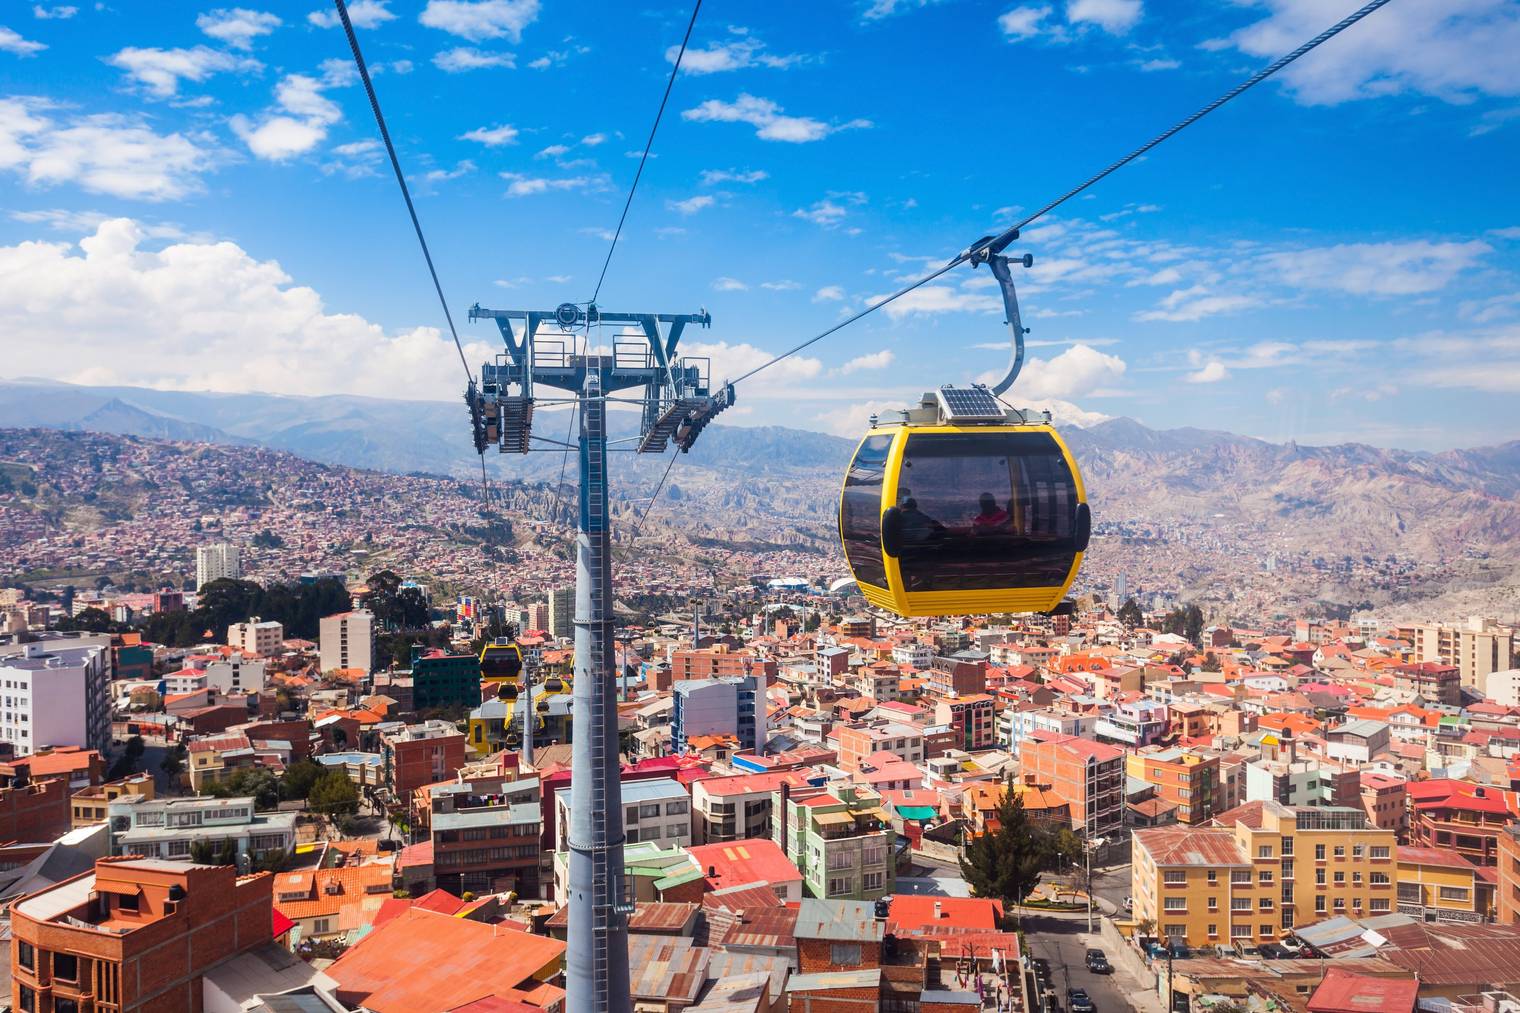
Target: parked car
[(1247, 950), (1079, 1002), (1271, 951), (1097, 962), (1041, 970)]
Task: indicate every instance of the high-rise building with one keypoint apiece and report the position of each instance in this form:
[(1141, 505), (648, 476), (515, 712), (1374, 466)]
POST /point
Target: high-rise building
[(347, 640), (1478, 648), (57, 694), (215, 562), (562, 612), (536, 617), (256, 636), (733, 705)]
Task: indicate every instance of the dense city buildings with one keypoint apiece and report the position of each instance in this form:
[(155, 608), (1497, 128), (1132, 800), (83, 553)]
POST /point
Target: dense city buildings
[(258, 637), (56, 694)]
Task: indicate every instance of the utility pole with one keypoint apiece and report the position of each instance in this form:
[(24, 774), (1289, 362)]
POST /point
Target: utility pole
[(677, 406)]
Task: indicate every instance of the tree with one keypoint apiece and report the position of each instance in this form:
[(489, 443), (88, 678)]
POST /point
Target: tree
[(90, 620), (1192, 624), (1006, 863), (299, 778), (174, 761), (1129, 614), (333, 794), (256, 782)]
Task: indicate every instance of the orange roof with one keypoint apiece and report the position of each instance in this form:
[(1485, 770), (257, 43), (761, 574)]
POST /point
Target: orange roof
[(353, 893), (910, 912), (61, 760), (394, 968), (1299, 724)]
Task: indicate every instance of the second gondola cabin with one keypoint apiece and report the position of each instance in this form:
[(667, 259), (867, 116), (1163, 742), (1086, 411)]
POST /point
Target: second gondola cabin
[(963, 507)]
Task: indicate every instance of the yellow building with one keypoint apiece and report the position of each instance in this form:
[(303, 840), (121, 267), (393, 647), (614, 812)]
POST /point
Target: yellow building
[(1259, 870), (91, 805), (1437, 884)]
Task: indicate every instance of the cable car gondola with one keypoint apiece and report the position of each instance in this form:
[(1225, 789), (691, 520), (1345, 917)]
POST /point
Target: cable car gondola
[(961, 505)]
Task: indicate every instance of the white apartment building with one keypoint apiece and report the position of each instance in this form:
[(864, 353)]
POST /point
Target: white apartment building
[(256, 636), (234, 674), (1503, 688), (916, 654), (215, 562), (657, 810), (56, 693), (347, 640), (168, 827)]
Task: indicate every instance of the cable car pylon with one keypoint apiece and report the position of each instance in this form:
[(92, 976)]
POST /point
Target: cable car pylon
[(677, 404)]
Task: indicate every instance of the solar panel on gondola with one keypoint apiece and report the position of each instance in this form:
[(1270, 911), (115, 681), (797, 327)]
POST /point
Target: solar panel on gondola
[(969, 403)]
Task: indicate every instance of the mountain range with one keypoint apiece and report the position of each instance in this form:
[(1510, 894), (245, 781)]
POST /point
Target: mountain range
[(1219, 503)]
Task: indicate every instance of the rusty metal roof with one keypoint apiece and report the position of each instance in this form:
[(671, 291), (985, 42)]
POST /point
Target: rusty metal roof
[(667, 968), (843, 920)]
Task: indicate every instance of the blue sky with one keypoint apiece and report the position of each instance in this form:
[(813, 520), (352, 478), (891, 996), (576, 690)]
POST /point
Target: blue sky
[(193, 196)]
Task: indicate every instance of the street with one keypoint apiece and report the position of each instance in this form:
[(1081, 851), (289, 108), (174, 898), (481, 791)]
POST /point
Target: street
[(1063, 941)]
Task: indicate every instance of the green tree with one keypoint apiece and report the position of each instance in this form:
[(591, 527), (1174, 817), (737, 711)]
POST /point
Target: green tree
[(174, 761), (1006, 863), (89, 620), (333, 794), (1192, 624), (1129, 614), (256, 782), (299, 778)]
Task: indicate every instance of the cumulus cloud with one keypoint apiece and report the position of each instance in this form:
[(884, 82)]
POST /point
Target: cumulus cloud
[(296, 123), (105, 153), (1113, 16), (481, 19), (237, 26), (1023, 22), (690, 205), (829, 293), (1450, 49), (730, 360), (363, 14), (729, 285), (768, 119), (11, 41), (60, 12), (1212, 372), (940, 299), (492, 137), (1080, 370), (521, 185), (871, 360), (736, 53), (461, 59), (1186, 305), (202, 316), (160, 71), (1408, 268), (825, 213)]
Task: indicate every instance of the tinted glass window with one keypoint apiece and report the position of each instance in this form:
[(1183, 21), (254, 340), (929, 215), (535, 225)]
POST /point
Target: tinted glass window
[(985, 511), (860, 511)]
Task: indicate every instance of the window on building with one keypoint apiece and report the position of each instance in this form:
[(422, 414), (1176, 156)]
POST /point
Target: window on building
[(1264, 877), (1356, 879), (1264, 851), (1264, 904), (1379, 879), (1340, 851), (1319, 852), (1241, 877), (844, 954), (1287, 846), (126, 902), (1239, 931), (62, 1005), (1319, 904), (1240, 903), (1213, 875), (27, 1000), (1174, 904), (1357, 851), (1379, 904), (66, 966), (873, 880), (1174, 877), (1213, 930), (26, 956), (1454, 893), (1380, 851), (839, 886), (1340, 903), (1340, 878), (1213, 903)]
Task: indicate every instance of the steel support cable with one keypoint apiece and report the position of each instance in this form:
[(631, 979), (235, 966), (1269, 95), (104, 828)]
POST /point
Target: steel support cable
[(638, 528), (996, 243), (411, 209), (669, 84)]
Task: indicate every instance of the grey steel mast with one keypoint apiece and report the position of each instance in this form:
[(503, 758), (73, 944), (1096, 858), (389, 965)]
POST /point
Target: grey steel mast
[(676, 406)]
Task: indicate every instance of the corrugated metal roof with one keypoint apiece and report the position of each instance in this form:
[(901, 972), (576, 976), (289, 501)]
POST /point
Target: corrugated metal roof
[(666, 967), (869, 977), (844, 920)]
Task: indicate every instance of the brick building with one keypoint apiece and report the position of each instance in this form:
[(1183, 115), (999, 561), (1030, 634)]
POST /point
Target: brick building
[(421, 754), (1089, 775), (973, 717), (34, 812), (1468, 818), (719, 662), (1189, 781), (134, 936)]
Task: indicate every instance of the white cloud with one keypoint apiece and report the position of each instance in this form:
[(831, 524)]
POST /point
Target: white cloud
[(1509, 232), (768, 120), (58, 13), (871, 360), (12, 42), (730, 360), (1450, 49), (1186, 305), (202, 316), (829, 293), (481, 19), (553, 151), (520, 185), (729, 285), (1407, 268), (785, 285), (1113, 16), (592, 140), (161, 70), (362, 13), (875, 10), (466, 58), (82, 222), (1212, 372), (296, 123), (464, 168), (825, 213), (1150, 66), (492, 137), (1081, 369), (939, 299), (854, 419), (105, 153), (237, 26), (1023, 22), (690, 205), (712, 177), (731, 54)]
